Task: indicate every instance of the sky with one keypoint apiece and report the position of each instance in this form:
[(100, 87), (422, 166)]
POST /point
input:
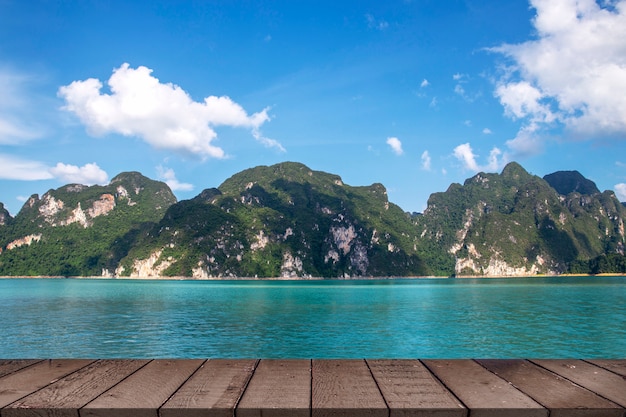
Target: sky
[(413, 94)]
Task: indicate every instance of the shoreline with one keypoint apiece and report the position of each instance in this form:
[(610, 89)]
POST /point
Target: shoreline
[(183, 278)]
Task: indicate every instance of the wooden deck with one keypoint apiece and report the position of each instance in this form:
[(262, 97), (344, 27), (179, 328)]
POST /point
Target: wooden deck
[(312, 388)]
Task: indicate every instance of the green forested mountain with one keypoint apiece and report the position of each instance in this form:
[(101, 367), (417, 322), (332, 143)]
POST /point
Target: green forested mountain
[(287, 220), (72, 230), (515, 223), (284, 220)]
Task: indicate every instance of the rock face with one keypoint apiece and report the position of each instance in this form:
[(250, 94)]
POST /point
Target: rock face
[(516, 224), (73, 230), (5, 217), (282, 221), (288, 221)]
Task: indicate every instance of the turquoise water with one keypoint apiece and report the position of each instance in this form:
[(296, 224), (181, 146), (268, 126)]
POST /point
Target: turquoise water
[(447, 318)]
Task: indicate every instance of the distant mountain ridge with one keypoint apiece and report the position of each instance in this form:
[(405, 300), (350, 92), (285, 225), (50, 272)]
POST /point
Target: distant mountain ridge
[(289, 221), (566, 182)]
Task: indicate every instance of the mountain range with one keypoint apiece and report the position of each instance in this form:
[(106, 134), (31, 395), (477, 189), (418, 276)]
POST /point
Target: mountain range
[(289, 221)]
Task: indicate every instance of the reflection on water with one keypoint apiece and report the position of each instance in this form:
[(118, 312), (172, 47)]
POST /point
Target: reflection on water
[(539, 318)]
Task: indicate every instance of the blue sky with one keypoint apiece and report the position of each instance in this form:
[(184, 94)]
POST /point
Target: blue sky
[(414, 94)]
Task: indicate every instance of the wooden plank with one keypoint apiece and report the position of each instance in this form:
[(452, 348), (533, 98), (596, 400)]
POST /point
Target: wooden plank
[(617, 366), (8, 366), (142, 393), (560, 396), (345, 388), (68, 394), (213, 391), (28, 380), (485, 394), (278, 388), (604, 383), (410, 390)]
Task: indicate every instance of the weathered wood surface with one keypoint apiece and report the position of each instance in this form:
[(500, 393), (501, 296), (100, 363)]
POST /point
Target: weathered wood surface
[(559, 395), (143, 392), (279, 388), (345, 388), (604, 383), (213, 390), (70, 393), (20, 384), (481, 391), (411, 390), (241, 388)]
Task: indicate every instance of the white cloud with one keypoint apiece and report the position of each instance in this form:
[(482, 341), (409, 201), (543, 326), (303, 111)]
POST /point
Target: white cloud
[(396, 145), (573, 73), (527, 142), (163, 115), (620, 191), (88, 174), (465, 154), (13, 168), (267, 142), (169, 176), (487, 131), (426, 161), (523, 100), (424, 83)]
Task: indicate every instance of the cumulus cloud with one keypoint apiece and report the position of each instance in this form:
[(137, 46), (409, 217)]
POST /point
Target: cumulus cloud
[(620, 191), (169, 176), (88, 174), (424, 83), (426, 161), (487, 131), (162, 114), (573, 74), (465, 154), (396, 145), (13, 168)]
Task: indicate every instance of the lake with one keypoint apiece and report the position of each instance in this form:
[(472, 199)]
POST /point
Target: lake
[(429, 318)]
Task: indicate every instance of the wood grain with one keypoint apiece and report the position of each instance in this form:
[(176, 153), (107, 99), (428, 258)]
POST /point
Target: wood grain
[(320, 388), (8, 366), (617, 366), (143, 392), (560, 396), (68, 394), (484, 393), (213, 391), (604, 383), (19, 384), (410, 390), (345, 388), (278, 388)]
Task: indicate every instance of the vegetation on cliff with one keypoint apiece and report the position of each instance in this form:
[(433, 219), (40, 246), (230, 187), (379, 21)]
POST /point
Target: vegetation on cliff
[(70, 231), (287, 220)]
